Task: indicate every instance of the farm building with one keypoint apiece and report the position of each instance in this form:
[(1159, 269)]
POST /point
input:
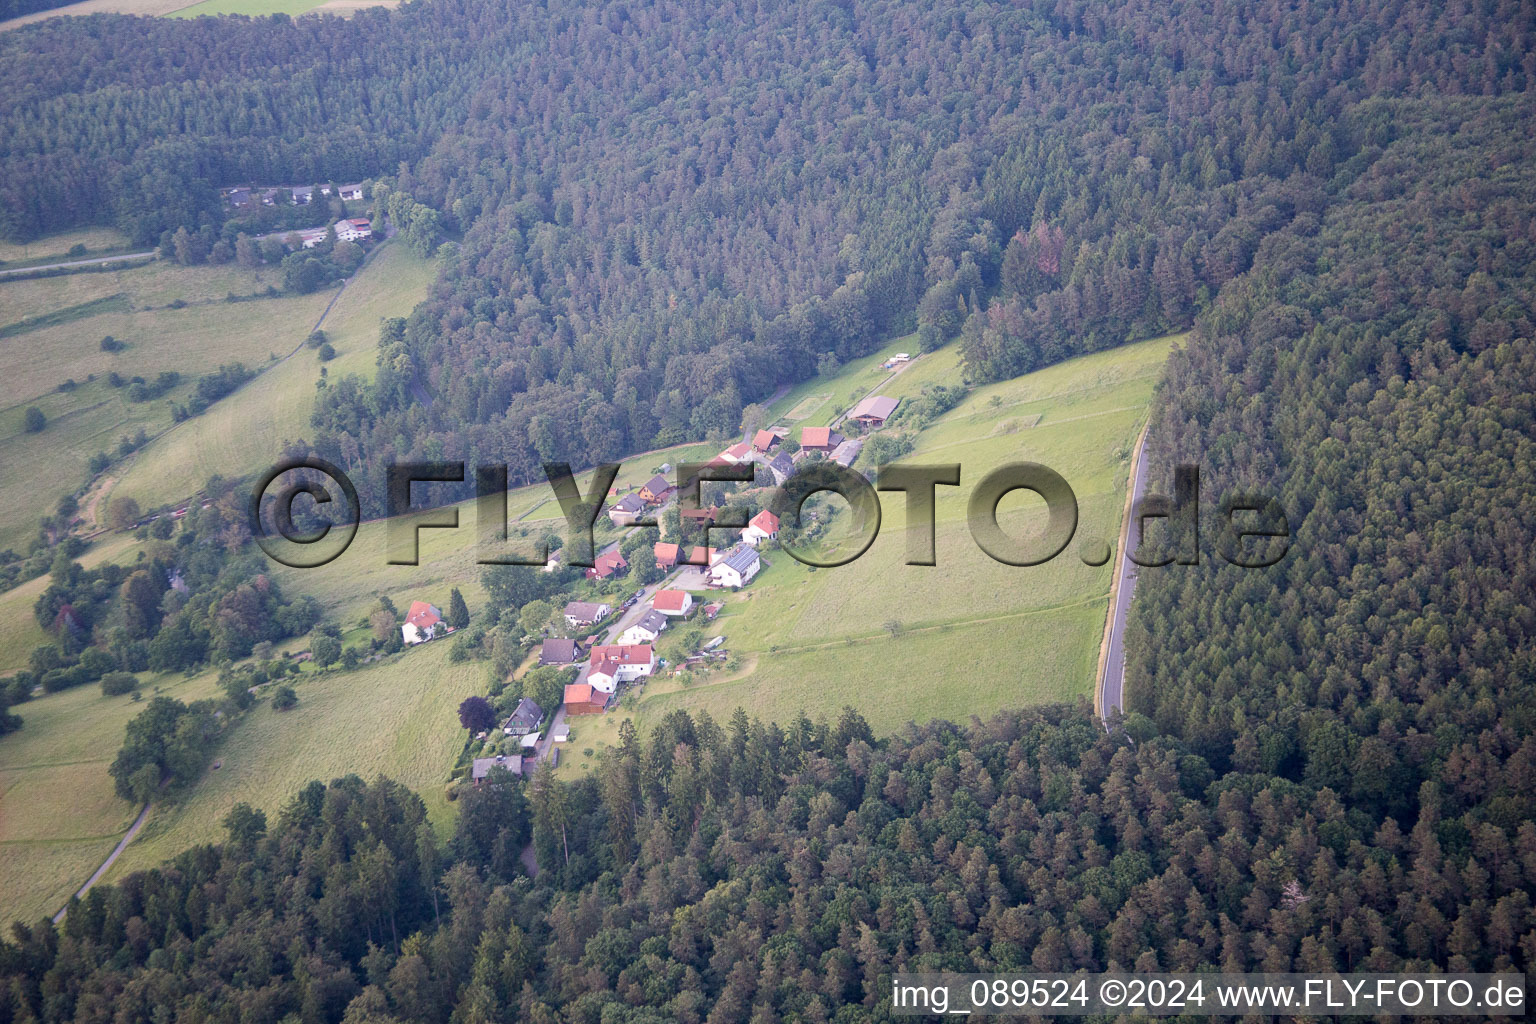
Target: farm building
[(873, 411), (819, 439), (765, 439), (848, 451), (666, 555)]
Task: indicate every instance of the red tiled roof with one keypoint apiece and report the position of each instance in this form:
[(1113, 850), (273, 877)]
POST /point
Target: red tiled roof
[(815, 437), (578, 693), (765, 521), (765, 439), (669, 600), (737, 451), (666, 554), (696, 556), (622, 654), (421, 615)]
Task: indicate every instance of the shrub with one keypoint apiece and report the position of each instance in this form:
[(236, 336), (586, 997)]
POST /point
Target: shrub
[(327, 352), (35, 420), (111, 344), (115, 684), (284, 698)]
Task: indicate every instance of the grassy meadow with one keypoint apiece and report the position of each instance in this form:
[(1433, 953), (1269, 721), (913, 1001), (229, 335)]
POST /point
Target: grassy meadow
[(168, 317), (59, 815), (397, 717), (97, 241), (244, 433)]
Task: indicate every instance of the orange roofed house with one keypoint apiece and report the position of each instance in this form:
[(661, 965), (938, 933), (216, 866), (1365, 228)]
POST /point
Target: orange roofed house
[(765, 439), (421, 623), (613, 664), (581, 699)]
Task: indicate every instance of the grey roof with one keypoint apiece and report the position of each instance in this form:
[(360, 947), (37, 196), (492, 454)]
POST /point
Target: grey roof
[(782, 466), (528, 712), (657, 484), (584, 610), (845, 453), (628, 503), (739, 558), (558, 652), (878, 406), (483, 765), (653, 621)]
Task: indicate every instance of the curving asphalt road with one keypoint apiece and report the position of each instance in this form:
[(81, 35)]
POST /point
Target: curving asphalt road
[(1112, 685)]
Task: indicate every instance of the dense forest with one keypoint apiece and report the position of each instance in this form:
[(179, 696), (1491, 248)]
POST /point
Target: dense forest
[(663, 213), (660, 214), (742, 872)]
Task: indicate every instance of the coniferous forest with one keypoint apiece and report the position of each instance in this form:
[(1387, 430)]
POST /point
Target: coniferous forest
[(651, 216)]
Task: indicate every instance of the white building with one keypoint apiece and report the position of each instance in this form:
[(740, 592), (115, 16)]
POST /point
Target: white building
[(613, 664), (646, 629), (763, 526), (737, 568), (421, 623)]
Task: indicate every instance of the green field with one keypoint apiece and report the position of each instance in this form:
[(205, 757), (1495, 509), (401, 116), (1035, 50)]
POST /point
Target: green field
[(245, 432), (818, 401), (59, 816), (969, 635), (169, 317), (397, 717), (55, 248)]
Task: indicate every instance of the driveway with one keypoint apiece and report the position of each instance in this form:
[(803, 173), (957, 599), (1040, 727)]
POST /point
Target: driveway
[(77, 263)]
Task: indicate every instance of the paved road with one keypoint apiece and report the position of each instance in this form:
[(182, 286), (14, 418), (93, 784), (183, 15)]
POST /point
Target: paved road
[(122, 845), (77, 263), (1113, 685)]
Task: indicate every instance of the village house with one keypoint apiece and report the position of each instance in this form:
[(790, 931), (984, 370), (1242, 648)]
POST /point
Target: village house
[(761, 527), (351, 193), (613, 664), (239, 198), (586, 613), (737, 454), (582, 699), (736, 568), (353, 230), (626, 510), (483, 765), (819, 439), (646, 629), (765, 439), (553, 562), (525, 718), (781, 466), (666, 555), (421, 623), (302, 195), (559, 653), (699, 515), (873, 411), (607, 565), (673, 602), (656, 490)]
